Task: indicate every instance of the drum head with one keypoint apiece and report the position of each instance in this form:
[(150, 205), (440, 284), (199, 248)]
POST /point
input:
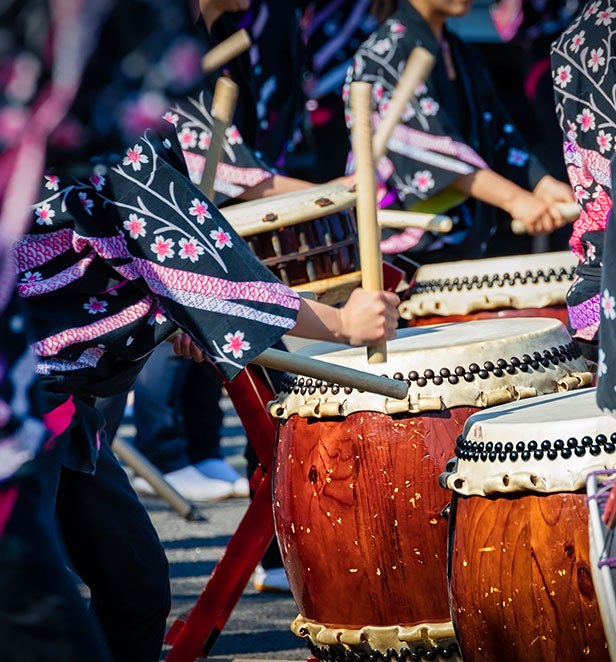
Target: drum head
[(468, 286), (480, 363), (547, 444)]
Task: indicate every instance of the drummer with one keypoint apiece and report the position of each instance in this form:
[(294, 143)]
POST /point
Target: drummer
[(119, 255), (456, 140)]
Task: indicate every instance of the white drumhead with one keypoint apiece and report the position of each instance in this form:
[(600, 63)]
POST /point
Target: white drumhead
[(547, 444), (266, 214), (478, 364), (468, 286)]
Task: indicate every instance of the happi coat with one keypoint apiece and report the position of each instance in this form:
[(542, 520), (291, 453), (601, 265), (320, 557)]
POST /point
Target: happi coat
[(123, 248), (584, 89), (455, 125)]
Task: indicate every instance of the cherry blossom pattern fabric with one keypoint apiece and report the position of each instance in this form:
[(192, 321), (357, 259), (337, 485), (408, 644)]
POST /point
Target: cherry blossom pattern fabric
[(584, 88), (240, 168), (452, 128), (114, 263), (43, 50)]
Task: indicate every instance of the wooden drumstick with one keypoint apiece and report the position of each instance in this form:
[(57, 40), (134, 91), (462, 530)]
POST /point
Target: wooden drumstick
[(369, 232), (400, 220), (224, 52), (569, 210), (418, 67), (223, 108), (331, 372)]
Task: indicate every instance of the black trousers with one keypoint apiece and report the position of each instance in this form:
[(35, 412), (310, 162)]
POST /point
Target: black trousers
[(42, 615), (114, 548)]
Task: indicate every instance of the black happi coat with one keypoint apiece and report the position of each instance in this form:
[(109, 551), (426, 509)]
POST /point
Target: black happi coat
[(455, 125), (123, 248)]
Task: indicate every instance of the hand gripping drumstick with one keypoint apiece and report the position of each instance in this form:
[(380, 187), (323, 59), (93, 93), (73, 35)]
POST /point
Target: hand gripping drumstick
[(400, 220), (368, 226), (569, 210), (223, 107), (418, 67), (228, 49)]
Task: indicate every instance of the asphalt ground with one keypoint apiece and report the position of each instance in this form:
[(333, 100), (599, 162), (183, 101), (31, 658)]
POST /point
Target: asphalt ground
[(259, 624)]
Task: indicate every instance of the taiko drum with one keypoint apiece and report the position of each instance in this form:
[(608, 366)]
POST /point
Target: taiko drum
[(520, 574), (514, 286), (308, 238), (360, 515)]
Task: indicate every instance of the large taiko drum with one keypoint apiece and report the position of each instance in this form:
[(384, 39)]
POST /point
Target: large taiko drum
[(358, 508), (308, 239), (514, 286), (520, 575)]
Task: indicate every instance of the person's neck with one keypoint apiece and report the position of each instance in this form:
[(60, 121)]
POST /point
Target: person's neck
[(210, 13), (434, 19)]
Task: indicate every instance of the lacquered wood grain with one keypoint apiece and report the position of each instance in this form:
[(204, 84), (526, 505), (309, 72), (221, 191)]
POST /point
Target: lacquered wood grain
[(521, 588), (358, 516)]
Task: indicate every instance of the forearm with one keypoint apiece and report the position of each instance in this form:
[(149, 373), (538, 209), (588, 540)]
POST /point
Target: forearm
[(317, 321), (276, 185), (489, 187)]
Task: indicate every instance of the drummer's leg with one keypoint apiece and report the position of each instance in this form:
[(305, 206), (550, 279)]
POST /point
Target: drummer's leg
[(42, 615), (115, 549)]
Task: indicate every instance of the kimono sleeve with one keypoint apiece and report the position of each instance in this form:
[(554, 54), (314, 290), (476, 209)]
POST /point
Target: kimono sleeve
[(240, 167), (425, 152), (173, 243)]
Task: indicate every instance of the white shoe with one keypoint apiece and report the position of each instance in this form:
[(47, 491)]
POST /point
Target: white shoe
[(218, 469), (191, 484), (272, 580)]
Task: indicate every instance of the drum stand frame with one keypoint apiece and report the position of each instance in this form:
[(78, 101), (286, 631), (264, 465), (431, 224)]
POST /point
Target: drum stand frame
[(194, 636)]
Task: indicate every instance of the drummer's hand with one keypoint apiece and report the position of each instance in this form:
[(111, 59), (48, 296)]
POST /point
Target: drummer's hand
[(183, 345), (537, 215), (550, 190), (347, 180), (369, 318)]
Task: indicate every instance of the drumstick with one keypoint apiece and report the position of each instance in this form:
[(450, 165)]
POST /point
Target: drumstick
[(223, 107), (369, 233), (331, 372), (224, 52), (569, 210), (400, 220), (417, 69)]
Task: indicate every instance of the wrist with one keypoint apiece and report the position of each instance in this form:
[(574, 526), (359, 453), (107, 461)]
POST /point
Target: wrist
[(341, 332)]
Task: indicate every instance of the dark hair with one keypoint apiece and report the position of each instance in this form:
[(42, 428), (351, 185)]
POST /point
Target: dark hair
[(383, 9)]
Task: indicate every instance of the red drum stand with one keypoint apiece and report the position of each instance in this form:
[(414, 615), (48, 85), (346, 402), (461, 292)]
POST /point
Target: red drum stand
[(194, 636)]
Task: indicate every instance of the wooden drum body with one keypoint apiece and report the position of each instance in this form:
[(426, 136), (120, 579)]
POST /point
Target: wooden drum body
[(514, 286), (308, 239), (520, 575), (359, 512)]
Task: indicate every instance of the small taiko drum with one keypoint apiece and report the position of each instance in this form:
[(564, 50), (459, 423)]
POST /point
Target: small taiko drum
[(358, 507), (307, 238), (514, 286), (521, 585), (600, 487)]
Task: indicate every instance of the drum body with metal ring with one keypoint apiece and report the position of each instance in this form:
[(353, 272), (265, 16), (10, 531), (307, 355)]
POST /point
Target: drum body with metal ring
[(308, 238), (513, 286), (520, 576), (358, 508)]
